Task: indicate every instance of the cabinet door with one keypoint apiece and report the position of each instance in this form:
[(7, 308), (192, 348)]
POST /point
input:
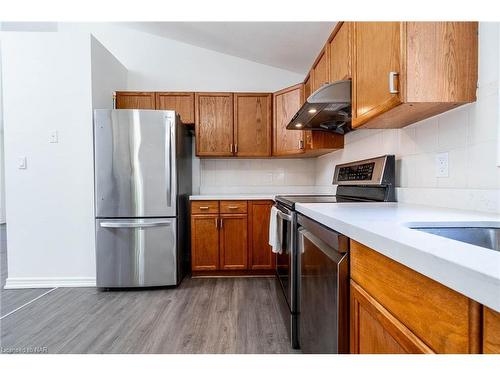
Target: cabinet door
[(253, 124), (377, 53), (260, 254), (180, 102), (320, 72), (135, 100), (286, 104), (491, 331), (233, 242), (340, 53), (204, 242), (214, 124), (375, 331)]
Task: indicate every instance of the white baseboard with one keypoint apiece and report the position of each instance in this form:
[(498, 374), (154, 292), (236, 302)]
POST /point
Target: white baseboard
[(49, 282)]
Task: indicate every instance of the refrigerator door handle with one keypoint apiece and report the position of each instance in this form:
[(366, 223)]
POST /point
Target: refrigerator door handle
[(135, 224), (168, 155)]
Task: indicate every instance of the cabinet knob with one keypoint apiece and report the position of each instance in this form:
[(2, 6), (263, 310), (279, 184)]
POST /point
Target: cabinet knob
[(204, 207), (301, 144)]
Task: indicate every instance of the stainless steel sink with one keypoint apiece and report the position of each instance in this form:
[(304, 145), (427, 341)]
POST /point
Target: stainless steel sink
[(487, 236)]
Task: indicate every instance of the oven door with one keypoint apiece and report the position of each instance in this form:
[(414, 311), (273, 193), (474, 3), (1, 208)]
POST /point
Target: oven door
[(285, 261)]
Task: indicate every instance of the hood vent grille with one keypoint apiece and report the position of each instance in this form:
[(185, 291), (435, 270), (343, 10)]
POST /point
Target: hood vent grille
[(327, 109)]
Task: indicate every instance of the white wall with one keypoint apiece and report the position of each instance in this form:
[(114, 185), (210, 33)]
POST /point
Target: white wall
[(157, 63), (469, 134), (108, 73), (47, 86)]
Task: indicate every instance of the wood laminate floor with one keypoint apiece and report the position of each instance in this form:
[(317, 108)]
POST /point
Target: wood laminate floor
[(12, 299), (225, 315)]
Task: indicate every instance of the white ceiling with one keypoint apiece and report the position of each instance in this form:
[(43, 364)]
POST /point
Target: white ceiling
[(291, 46)]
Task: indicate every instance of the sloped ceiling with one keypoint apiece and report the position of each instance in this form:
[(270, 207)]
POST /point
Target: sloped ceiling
[(291, 46)]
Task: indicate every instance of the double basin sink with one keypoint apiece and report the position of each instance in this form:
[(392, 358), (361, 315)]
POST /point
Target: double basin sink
[(481, 234)]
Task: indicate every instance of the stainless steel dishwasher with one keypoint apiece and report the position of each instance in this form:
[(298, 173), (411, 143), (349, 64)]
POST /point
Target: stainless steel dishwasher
[(324, 288)]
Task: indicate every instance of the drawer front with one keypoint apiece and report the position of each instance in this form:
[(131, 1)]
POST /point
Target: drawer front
[(233, 207), (204, 207), (443, 319)]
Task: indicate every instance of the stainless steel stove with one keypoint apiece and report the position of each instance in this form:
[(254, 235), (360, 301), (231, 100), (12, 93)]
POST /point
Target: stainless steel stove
[(370, 180)]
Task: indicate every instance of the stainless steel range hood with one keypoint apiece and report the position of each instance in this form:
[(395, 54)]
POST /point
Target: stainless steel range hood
[(327, 109)]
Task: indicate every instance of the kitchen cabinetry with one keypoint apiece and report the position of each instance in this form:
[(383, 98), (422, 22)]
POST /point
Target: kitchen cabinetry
[(286, 103), (260, 255), (205, 242), (404, 72), (214, 124), (320, 70), (230, 236), (252, 124), (395, 309), (233, 242), (135, 100), (491, 331), (181, 102), (339, 52)]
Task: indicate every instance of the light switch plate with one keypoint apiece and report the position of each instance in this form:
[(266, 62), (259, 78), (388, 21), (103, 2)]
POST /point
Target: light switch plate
[(21, 162), (54, 138), (442, 164)]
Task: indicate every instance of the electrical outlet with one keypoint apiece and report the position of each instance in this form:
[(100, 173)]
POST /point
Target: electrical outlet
[(442, 165)]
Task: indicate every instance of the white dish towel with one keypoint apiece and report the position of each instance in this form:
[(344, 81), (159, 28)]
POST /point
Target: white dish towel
[(274, 231)]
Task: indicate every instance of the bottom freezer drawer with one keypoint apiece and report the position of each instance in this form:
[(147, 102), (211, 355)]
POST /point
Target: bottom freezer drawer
[(136, 252)]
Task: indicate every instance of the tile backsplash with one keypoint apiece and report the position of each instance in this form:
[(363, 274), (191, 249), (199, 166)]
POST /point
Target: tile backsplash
[(257, 175)]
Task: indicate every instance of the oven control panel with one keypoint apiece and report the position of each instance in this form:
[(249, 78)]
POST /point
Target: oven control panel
[(374, 171), (362, 172)]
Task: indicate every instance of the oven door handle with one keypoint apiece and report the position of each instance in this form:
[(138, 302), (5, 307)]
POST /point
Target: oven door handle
[(284, 216)]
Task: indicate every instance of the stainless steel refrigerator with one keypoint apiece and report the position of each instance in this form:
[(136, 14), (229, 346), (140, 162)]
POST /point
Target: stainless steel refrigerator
[(142, 166)]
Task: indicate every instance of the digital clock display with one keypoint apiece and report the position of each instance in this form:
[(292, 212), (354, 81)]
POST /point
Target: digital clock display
[(363, 172)]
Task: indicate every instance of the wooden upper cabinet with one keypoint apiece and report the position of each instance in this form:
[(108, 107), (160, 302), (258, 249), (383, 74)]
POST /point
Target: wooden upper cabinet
[(320, 71), (286, 103), (253, 124), (214, 124), (181, 102), (377, 55), (260, 256), (135, 100), (339, 52), (404, 72), (205, 242), (233, 242), (307, 86)]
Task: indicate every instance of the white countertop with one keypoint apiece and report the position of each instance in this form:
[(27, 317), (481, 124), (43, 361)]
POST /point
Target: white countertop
[(223, 197), (471, 270)]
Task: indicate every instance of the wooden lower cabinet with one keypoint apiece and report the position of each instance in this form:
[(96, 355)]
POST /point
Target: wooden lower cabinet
[(396, 309), (375, 331), (205, 242), (491, 331), (260, 256), (232, 241)]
